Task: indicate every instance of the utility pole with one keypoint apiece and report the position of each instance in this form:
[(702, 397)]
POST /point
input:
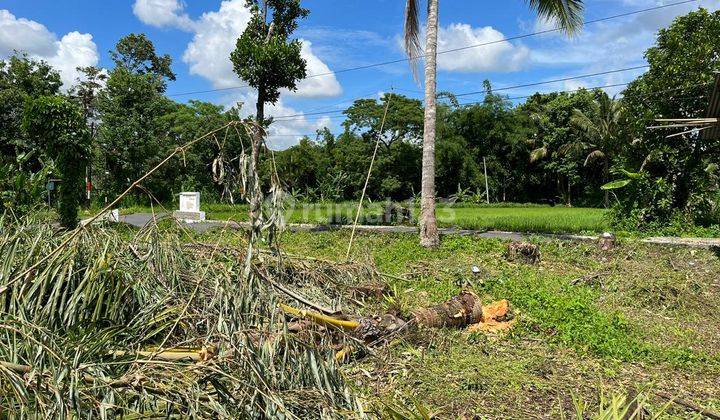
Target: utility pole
[(487, 190)]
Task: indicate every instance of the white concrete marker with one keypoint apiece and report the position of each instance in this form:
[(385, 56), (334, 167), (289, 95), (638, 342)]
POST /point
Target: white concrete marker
[(189, 211)]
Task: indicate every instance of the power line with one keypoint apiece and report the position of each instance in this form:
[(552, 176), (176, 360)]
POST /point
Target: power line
[(581, 76), (482, 44), (564, 79), (546, 93)]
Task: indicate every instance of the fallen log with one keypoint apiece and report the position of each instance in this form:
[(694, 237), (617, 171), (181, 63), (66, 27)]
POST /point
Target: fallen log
[(459, 311)]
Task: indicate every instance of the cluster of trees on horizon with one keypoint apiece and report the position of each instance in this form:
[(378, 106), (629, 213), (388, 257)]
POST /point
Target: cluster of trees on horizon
[(559, 147)]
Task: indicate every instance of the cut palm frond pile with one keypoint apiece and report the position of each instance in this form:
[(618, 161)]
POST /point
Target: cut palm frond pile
[(114, 325)]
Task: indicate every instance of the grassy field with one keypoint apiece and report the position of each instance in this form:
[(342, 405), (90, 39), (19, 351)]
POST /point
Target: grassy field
[(645, 320), (520, 218)]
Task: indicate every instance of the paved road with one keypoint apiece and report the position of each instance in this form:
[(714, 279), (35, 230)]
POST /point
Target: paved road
[(142, 219)]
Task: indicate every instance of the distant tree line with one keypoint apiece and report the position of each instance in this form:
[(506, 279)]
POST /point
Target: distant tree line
[(557, 148)]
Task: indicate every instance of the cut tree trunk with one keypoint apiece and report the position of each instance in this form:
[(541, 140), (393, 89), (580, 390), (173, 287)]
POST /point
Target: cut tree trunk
[(429, 236), (460, 311)]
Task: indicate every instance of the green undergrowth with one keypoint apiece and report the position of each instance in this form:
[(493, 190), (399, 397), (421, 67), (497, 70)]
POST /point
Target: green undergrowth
[(550, 306), (649, 320)]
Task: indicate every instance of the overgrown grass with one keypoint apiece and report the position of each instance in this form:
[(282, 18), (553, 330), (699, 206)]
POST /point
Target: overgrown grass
[(564, 313), (648, 319)]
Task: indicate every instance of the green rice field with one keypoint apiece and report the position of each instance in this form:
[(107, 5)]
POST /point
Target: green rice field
[(509, 217)]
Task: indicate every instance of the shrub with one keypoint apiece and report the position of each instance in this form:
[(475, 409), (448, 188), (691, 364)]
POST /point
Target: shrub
[(58, 126)]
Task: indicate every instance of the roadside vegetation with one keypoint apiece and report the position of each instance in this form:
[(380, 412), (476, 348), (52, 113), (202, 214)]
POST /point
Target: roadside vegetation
[(644, 320)]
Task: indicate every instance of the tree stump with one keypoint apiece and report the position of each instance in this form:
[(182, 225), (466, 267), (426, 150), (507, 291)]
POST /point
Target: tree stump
[(606, 241), (523, 251)]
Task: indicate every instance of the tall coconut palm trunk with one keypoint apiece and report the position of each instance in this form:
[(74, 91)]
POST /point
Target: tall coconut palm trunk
[(428, 224), (568, 14)]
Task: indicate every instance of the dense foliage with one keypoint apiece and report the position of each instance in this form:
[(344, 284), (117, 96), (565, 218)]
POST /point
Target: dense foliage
[(677, 177), (57, 126), (264, 57), (557, 148)]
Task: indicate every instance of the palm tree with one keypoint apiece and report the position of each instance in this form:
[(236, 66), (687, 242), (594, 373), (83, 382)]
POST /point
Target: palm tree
[(567, 13), (601, 125)]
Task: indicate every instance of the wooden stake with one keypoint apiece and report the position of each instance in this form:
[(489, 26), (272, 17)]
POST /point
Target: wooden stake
[(487, 190)]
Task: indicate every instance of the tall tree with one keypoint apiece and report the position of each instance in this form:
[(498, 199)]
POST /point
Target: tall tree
[(22, 78), (86, 92), (567, 13), (59, 128), (132, 134), (602, 126), (136, 53), (678, 175), (268, 60), (404, 119)]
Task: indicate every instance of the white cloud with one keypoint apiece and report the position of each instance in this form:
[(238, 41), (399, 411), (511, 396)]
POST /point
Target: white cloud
[(73, 50), (316, 87), (24, 35), (499, 56), (208, 56), (163, 13)]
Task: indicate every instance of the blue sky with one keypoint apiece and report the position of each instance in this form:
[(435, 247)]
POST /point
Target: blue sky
[(339, 35)]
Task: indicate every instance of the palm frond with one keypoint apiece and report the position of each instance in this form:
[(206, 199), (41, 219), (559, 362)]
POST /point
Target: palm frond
[(84, 305), (573, 147), (583, 122), (538, 154), (411, 35), (593, 156), (567, 13)]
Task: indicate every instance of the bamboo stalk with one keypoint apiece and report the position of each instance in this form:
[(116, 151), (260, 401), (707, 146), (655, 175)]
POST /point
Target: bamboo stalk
[(15, 367), (367, 180), (689, 131), (319, 318), (168, 356), (686, 119), (687, 404), (301, 298), (687, 124)]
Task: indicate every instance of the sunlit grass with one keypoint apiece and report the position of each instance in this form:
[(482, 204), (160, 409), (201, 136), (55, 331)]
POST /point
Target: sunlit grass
[(519, 218)]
